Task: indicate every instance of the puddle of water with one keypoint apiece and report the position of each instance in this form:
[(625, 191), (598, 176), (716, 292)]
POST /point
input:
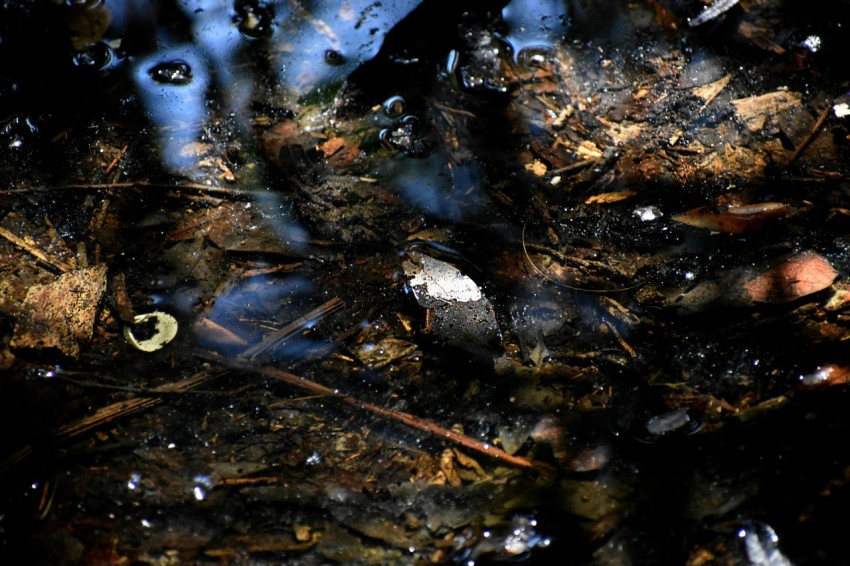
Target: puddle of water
[(272, 174)]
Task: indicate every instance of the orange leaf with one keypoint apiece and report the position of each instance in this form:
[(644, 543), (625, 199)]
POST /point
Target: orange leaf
[(735, 219)]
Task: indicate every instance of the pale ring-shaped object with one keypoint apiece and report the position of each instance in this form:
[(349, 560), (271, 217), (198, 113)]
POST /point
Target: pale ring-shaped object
[(165, 327)]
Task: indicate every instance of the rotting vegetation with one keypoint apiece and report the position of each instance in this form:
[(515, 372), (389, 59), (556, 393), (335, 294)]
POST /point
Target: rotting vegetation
[(570, 278)]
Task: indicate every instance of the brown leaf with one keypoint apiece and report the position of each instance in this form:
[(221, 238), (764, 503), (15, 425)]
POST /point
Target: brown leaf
[(797, 276), (61, 315), (710, 91)]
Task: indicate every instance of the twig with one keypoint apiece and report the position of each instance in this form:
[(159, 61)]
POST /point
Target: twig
[(123, 408), (810, 135), (276, 338), (564, 285), (111, 412), (573, 166), (406, 418), (114, 162), (30, 247), (198, 187), (445, 108)]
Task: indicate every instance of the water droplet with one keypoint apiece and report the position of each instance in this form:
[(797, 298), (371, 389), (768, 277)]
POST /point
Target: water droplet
[(175, 72)]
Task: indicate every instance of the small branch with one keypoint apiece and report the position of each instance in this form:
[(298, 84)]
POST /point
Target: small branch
[(123, 408), (276, 338), (410, 420), (111, 412), (810, 135), (29, 246), (114, 162), (194, 187)]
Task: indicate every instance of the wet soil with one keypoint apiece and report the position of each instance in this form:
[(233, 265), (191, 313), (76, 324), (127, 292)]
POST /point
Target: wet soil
[(449, 284)]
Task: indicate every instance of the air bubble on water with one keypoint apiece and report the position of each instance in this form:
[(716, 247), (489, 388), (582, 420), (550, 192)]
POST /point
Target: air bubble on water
[(812, 43), (395, 106), (535, 25), (452, 62), (177, 72), (334, 57), (255, 19), (97, 56), (761, 544), (818, 376), (662, 424), (648, 213), (411, 123)]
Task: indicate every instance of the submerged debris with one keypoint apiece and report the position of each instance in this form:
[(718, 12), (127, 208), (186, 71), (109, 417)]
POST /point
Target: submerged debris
[(158, 329), (712, 11), (462, 315), (432, 260)]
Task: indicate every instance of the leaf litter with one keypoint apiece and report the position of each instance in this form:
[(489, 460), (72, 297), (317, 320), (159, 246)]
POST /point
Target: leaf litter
[(489, 299)]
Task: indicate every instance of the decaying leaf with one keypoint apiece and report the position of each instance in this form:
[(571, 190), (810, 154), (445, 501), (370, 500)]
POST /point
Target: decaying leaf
[(781, 281), (797, 276), (735, 219), (461, 314), (435, 282), (61, 315), (233, 227)]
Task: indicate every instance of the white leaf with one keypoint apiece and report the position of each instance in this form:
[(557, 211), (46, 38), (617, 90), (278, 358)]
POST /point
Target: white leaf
[(435, 280)]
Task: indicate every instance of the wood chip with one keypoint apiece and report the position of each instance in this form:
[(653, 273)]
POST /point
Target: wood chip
[(607, 198), (755, 111), (710, 91)]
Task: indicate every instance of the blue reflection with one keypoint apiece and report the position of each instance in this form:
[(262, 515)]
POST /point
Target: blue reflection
[(326, 41), (437, 189), (176, 108), (275, 211), (216, 34), (535, 23), (238, 307)]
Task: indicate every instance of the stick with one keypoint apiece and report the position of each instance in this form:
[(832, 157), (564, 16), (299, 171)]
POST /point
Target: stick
[(279, 336), (406, 418), (36, 251), (136, 184), (810, 135), (112, 412)]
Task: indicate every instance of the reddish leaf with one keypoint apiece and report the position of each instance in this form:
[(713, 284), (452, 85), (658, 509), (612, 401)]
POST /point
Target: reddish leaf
[(797, 276), (735, 219), (829, 374)]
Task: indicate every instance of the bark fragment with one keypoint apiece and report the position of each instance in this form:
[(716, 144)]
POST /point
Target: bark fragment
[(61, 315)]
